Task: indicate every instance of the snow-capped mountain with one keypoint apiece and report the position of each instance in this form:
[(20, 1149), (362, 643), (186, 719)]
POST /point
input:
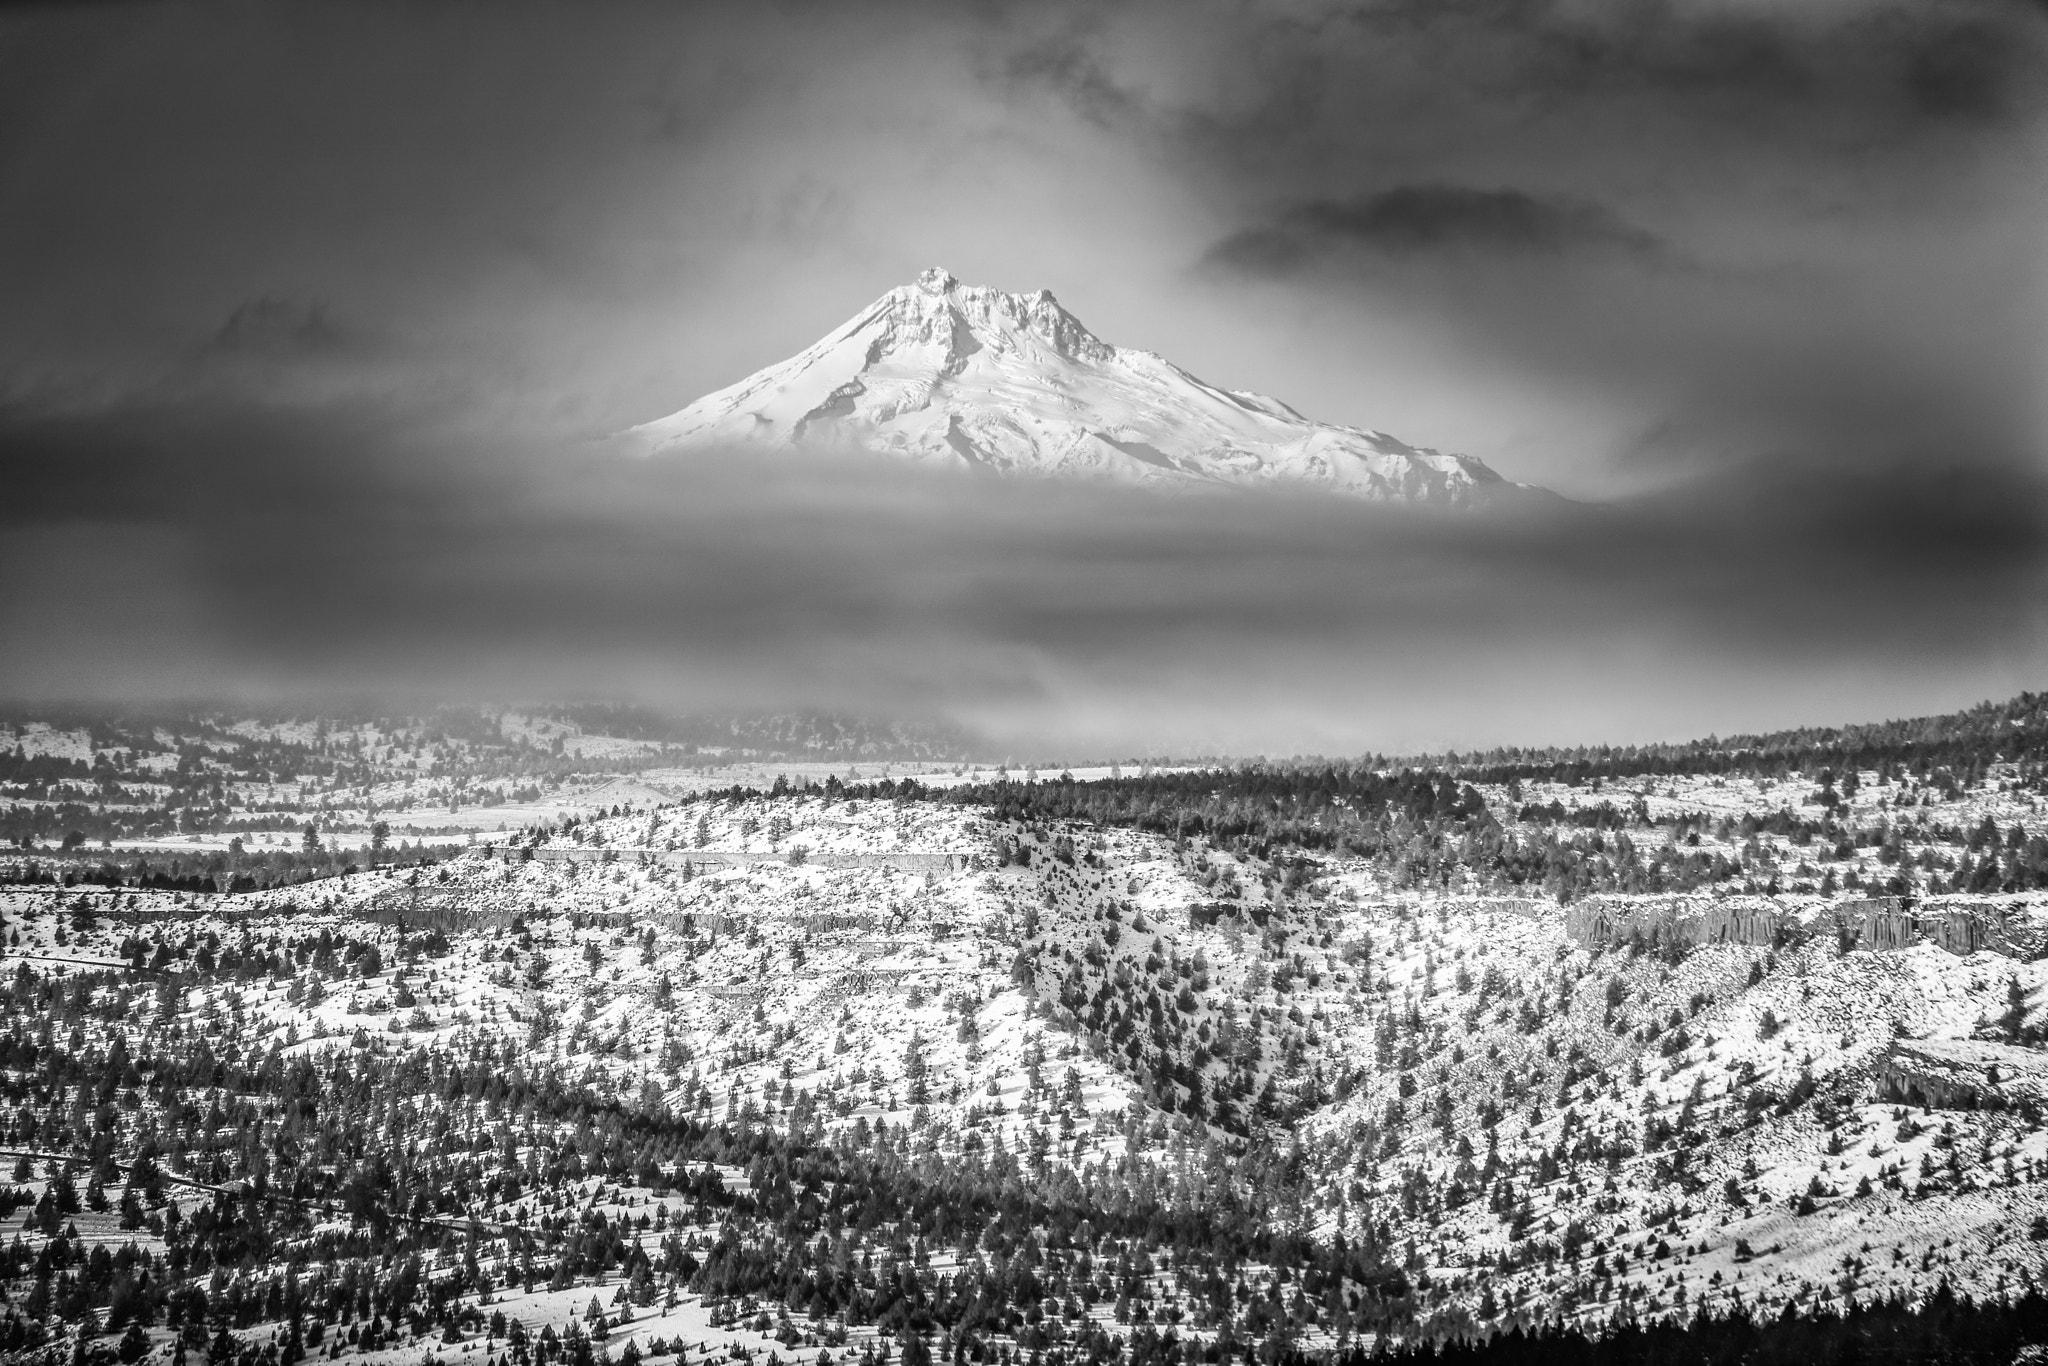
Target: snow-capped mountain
[(953, 374)]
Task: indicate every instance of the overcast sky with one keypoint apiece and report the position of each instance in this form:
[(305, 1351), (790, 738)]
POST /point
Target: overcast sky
[(313, 314)]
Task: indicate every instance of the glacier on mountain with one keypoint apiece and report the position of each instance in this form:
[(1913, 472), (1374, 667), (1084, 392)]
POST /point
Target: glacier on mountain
[(963, 375)]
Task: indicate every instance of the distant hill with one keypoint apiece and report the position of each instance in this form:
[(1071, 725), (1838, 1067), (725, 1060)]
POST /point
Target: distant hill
[(2013, 731)]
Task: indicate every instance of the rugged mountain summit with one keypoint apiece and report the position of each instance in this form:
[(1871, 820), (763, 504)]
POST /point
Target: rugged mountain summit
[(948, 373)]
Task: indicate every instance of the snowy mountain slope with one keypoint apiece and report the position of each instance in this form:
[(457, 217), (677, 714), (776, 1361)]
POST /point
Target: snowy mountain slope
[(1517, 1128), (963, 375)]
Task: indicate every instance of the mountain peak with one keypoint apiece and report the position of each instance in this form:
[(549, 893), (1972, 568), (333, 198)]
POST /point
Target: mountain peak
[(951, 374)]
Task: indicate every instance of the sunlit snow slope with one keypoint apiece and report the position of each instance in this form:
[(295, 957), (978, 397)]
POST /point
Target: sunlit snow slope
[(955, 374)]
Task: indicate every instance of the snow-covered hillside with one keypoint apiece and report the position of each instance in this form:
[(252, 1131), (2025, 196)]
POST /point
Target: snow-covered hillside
[(963, 375), (579, 1084)]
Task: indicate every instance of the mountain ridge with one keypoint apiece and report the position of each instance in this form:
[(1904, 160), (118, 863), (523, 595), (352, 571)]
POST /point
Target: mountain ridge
[(949, 374)]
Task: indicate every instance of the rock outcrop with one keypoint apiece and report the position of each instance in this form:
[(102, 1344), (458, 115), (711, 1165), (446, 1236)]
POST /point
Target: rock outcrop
[(1680, 923), (1676, 922), (1962, 1074), (1959, 926)]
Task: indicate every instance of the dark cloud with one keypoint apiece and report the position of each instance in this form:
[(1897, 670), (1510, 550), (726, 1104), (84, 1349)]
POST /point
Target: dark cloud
[(1067, 65), (1882, 66), (1965, 72), (1796, 77), (1410, 219), (307, 551), (279, 327)]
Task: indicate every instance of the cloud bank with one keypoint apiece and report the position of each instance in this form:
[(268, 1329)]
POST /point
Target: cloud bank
[(1410, 220), (166, 550)]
